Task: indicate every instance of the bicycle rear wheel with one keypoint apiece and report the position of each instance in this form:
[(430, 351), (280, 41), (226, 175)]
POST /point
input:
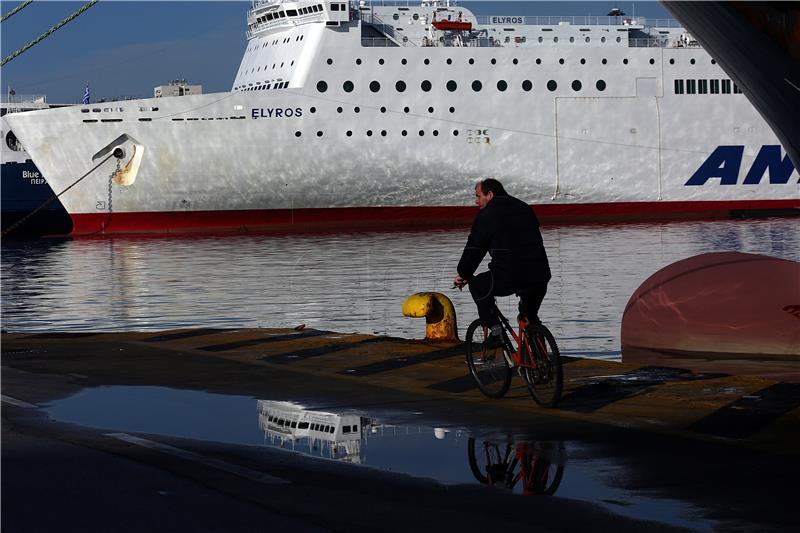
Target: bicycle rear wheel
[(542, 369), (489, 367)]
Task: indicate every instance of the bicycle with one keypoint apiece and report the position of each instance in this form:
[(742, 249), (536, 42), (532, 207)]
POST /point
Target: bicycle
[(533, 352)]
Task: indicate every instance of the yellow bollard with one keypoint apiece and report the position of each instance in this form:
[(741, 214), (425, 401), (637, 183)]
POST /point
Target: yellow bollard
[(439, 313)]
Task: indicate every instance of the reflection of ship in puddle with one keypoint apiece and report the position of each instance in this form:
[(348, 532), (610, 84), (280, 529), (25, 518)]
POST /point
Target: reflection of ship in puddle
[(331, 435)]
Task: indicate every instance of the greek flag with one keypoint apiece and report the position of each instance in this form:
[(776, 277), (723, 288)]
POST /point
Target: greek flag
[(86, 95)]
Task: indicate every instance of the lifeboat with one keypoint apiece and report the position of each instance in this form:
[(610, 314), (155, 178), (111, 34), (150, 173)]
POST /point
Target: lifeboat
[(452, 25)]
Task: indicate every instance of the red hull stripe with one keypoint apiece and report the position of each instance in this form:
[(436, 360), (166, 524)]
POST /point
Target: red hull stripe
[(387, 218)]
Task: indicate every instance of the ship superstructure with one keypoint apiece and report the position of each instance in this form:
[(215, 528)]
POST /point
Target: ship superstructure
[(346, 115)]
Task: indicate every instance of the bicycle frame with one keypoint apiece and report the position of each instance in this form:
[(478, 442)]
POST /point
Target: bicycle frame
[(521, 340)]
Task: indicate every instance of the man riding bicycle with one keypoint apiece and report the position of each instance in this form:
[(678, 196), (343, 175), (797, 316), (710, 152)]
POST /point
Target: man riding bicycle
[(508, 229)]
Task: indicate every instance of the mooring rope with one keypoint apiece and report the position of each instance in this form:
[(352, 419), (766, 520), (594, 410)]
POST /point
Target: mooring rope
[(16, 10), (48, 32)]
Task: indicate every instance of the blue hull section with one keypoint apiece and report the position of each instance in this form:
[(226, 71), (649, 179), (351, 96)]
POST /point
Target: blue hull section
[(22, 190)]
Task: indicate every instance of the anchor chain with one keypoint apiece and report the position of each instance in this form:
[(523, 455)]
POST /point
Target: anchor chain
[(110, 183)]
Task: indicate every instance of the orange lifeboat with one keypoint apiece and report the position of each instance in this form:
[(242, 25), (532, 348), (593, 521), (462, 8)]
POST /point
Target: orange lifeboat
[(452, 25)]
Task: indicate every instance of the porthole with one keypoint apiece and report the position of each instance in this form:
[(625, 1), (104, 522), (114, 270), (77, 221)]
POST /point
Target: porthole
[(380, 61), (619, 39), (358, 61), (400, 86), (541, 39), (313, 109), (477, 86), (338, 109), (494, 61), (527, 85), (576, 85), (415, 16), (601, 85), (652, 61), (625, 61), (348, 86), (395, 16), (604, 61), (502, 85), (369, 133), (713, 61), (404, 133), (421, 133), (426, 86), (322, 86), (455, 133), (561, 61), (555, 39), (602, 39), (406, 110), (515, 61), (349, 133), (583, 61), (430, 110), (671, 61), (357, 109), (383, 133), (383, 109), (374, 86), (471, 61), (587, 39), (452, 109), (538, 61), (552, 85), (452, 86), (319, 134), (691, 61), (449, 61), (403, 61), (435, 133), (572, 39), (427, 61), (297, 134)]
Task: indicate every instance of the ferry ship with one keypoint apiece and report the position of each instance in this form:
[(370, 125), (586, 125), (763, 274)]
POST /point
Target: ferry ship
[(362, 115), (25, 192)]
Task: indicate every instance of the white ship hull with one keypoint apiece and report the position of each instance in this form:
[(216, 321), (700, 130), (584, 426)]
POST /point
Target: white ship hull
[(298, 157)]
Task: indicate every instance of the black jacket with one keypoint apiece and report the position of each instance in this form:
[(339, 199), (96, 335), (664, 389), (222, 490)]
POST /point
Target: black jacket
[(508, 229)]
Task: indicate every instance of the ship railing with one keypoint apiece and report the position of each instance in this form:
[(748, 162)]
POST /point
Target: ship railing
[(649, 42), (387, 29), (484, 20)]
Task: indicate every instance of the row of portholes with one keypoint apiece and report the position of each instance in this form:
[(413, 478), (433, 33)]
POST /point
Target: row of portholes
[(383, 109), (382, 133), (452, 86), (515, 61)]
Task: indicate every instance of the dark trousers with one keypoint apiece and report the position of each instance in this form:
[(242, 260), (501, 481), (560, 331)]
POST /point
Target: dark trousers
[(485, 287)]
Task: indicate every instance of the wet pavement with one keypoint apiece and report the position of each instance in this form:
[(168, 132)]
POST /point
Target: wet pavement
[(279, 438)]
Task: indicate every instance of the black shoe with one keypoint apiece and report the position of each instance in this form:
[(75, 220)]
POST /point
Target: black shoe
[(493, 341)]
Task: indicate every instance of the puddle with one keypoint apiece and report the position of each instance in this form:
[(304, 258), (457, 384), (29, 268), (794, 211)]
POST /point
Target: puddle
[(451, 455)]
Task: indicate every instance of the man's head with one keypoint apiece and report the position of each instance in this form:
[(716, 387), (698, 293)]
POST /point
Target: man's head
[(487, 189)]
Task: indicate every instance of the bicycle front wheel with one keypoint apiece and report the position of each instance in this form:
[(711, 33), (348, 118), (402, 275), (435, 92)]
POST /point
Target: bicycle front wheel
[(542, 368), (488, 366)]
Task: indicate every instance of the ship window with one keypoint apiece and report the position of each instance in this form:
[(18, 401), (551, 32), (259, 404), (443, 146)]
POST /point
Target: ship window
[(619, 39), (736, 89), (572, 39), (538, 61), (471, 61), (313, 109), (587, 39), (291, 12), (400, 86), (383, 133), (552, 85), (502, 85), (561, 61), (297, 134), (322, 86), (702, 86), (380, 61), (625, 61), (383, 109), (395, 16), (294, 424), (527, 85), (449, 61), (726, 86), (403, 61), (576, 85), (604, 61), (334, 7), (330, 61), (672, 61), (678, 86), (349, 133), (477, 86), (452, 86), (652, 61), (713, 61), (427, 61), (374, 86), (692, 61), (404, 133), (338, 109), (714, 86), (348, 86), (369, 133), (302, 425), (406, 109), (515, 61), (601, 85), (421, 133), (356, 109), (541, 39), (426, 86), (358, 61), (452, 109), (415, 16), (555, 39), (583, 61), (435, 133), (602, 39), (455, 133), (690, 86), (346, 429), (494, 61)]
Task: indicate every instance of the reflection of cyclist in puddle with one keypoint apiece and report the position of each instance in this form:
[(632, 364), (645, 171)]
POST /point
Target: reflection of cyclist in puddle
[(511, 465)]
